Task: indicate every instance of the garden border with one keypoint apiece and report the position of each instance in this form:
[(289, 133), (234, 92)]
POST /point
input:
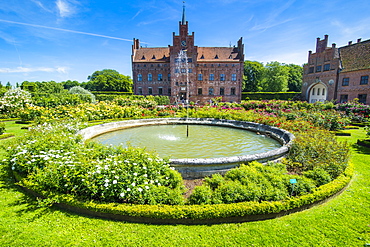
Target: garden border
[(202, 214), (199, 168)]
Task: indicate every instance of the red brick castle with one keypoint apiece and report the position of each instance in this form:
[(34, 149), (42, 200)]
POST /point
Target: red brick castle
[(197, 74)]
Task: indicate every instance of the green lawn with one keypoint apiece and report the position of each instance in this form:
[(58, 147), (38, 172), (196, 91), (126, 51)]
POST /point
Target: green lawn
[(343, 221)]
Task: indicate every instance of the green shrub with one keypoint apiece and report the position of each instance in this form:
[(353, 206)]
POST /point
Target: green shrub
[(319, 175), (201, 195), (2, 128), (318, 149), (52, 157)]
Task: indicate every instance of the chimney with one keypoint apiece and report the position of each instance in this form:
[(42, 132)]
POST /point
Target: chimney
[(333, 45), (349, 42), (359, 40)]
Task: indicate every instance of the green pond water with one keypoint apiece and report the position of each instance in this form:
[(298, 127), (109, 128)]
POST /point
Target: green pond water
[(204, 141)]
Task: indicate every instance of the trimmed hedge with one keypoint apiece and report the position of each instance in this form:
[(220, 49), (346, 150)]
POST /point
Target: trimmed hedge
[(203, 214), (269, 95)]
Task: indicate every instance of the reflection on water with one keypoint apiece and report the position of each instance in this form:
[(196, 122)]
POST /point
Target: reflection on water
[(204, 141)]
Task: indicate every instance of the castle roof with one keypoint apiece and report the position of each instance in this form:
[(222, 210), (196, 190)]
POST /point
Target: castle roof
[(157, 54), (205, 54), (217, 54), (355, 56)]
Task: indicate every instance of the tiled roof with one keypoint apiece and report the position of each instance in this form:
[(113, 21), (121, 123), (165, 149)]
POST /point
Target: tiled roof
[(205, 54), (355, 56), (217, 54), (158, 54)]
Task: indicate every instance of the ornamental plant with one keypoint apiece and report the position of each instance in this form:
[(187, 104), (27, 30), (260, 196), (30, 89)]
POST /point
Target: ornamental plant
[(13, 101), (52, 159)]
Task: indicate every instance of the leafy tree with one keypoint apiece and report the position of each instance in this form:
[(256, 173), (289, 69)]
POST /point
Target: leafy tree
[(295, 77), (253, 74), (69, 84), (8, 85), (49, 87), (109, 80), (276, 78), (29, 86)]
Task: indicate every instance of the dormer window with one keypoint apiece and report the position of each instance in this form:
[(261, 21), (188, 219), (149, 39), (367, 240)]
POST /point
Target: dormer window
[(153, 57), (216, 57), (143, 57), (202, 57)]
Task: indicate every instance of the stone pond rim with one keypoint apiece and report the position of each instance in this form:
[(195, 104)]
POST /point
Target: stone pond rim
[(201, 167)]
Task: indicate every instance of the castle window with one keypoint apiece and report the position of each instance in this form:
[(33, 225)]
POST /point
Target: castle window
[(211, 77), (177, 70), (160, 91), (345, 81), (318, 68), (327, 67), (233, 91), (313, 91), (150, 90), (150, 77), (311, 70), (343, 98), (183, 70), (190, 60), (362, 98), (200, 91), (323, 91), (222, 77), (233, 77), (140, 91), (210, 91), (160, 77), (139, 77), (318, 91), (364, 80), (200, 77), (190, 70), (169, 77), (222, 91), (169, 91)]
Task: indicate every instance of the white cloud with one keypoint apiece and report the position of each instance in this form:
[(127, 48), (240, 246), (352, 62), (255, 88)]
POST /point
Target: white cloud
[(61, 70), (65, 8), (38, 3)]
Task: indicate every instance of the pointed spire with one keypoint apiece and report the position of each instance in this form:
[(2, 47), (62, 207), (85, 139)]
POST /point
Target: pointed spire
[(183, 22)]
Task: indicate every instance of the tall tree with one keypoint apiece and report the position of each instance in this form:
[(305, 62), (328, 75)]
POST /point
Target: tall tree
[(109, 80), (253, 74), (295, 77), (69, 84), (275, 79)]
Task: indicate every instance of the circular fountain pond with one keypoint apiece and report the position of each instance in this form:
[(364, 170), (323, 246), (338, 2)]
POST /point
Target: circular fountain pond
[(197, 147)]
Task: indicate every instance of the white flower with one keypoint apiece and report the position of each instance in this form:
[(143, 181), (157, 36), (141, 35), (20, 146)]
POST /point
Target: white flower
[(144, 167), (145, 175), (122, 194), (133, 184), (114, 181), (106, 184), (128, 189), (159, 184), (135, 174), (147, 187), (139, 189), (107, 181)]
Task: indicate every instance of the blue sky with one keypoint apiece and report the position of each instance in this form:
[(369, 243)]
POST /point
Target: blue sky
[(43, 40)]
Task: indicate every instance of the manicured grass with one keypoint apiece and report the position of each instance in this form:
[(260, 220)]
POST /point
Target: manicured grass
[(343, 221)]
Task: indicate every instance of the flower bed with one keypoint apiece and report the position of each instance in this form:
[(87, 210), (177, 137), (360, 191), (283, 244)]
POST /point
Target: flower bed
[(55, 163)]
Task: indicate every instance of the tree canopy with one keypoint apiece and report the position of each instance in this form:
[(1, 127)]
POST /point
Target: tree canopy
[(109, 80), (273, 77)]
